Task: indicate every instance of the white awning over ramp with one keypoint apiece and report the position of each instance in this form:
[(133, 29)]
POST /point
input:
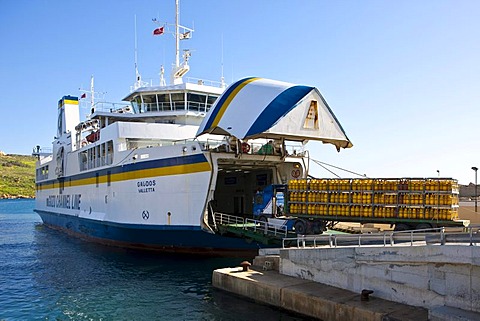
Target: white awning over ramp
[(263, 108)]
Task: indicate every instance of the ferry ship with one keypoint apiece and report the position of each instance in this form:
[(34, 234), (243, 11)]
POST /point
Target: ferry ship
[(152, 173)]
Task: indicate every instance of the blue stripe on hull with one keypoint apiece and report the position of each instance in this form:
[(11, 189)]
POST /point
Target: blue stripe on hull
[(169, 238)]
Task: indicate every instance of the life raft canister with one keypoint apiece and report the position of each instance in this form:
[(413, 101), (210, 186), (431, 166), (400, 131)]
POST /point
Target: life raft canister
[(245, 148)]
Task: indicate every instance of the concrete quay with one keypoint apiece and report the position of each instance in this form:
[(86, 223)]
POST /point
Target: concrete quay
[(428, 282), (310, 298)]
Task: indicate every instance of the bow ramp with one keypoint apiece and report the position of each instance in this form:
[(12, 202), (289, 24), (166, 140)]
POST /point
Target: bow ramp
[(263, 108)]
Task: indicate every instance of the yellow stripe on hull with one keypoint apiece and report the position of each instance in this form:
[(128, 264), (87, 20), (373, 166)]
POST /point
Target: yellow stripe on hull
[(143, 173)]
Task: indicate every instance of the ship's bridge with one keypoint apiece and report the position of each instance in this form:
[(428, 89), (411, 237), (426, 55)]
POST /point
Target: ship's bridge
[(175, 99)]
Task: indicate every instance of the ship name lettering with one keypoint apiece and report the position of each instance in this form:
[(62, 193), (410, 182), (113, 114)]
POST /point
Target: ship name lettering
[(64, 201), (146, 186), (146, 183)]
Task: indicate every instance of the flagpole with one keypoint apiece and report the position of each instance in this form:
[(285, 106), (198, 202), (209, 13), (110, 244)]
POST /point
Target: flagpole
[(92, 93), (138, 78), (177, 36)]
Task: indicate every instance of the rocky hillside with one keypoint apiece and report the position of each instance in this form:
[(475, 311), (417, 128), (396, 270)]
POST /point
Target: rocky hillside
[(17, 176)]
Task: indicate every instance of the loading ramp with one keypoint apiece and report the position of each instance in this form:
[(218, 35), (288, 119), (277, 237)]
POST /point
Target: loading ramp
[(266, 233)]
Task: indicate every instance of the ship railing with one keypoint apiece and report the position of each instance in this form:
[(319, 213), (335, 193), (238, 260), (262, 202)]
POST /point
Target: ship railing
[(266, 228), (466, 236), (226, 219), (254, 148), (256, 226), (42, 152), (205, 82), (151, 82), (175, 106), (105, 106)]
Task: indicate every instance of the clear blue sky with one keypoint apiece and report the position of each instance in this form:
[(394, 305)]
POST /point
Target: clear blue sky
[(403, 77)]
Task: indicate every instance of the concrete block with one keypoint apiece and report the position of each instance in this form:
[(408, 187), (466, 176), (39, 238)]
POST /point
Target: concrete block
[(475, 285), (273, 262), (247, 284), (446, 313), (458, 290)]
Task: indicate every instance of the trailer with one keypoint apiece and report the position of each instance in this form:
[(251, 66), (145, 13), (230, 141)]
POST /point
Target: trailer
[(313, 205)]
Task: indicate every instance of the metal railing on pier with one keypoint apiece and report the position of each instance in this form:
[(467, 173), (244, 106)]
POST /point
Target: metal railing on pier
[(466, 236), (247, 224)]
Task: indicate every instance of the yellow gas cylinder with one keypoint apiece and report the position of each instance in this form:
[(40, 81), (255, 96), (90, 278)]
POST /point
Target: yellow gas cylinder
[(321, 184), (367, 198), (321, 209), (340, 184), (383, 212), (432, 199), (360, 211), (389, 212), (455, 200), (330, 210), (407, 213), (454, 214), (338, 210), (354, 185), (293, 184)]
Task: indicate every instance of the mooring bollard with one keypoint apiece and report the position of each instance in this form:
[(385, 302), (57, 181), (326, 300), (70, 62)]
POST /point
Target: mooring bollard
[(245, 265), (365, 295)]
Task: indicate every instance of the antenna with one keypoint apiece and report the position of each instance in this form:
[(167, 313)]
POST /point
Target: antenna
[(92, 93), (222, 79), (180, 33), (92, 96), (177, 35), (138, 77), (162, 79)]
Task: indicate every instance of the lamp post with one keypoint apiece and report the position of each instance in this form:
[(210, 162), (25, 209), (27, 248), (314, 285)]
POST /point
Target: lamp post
[(476, 195)]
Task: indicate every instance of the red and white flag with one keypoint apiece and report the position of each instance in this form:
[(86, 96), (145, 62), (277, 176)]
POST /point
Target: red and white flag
[(158, 31)]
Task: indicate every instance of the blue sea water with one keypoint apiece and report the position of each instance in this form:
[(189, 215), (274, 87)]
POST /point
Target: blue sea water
[(48, 275)]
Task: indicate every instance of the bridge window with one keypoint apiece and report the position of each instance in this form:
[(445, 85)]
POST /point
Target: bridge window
[(196, 102), (164, 102), (210, 101), (150, 103), (178, 101)]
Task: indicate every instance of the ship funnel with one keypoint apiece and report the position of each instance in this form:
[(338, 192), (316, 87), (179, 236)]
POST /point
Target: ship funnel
[(68, 115)]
